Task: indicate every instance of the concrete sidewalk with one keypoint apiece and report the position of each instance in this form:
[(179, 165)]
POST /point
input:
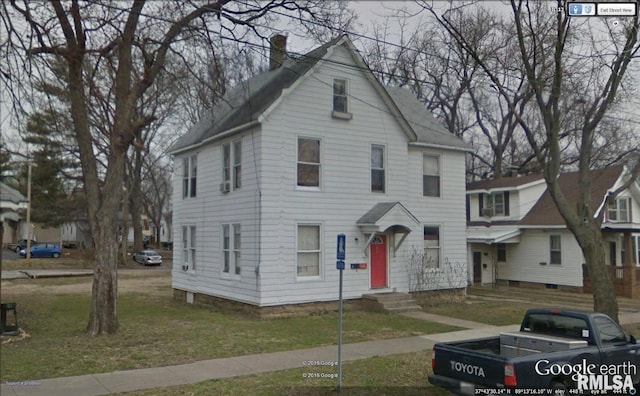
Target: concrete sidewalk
[(131, 380)]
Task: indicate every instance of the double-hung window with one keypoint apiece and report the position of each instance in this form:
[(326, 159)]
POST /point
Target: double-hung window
[(432, 246), (618, 210), (189, 176), (377, 168), (309, 167), (189, 247), (231, 239), (555, 249), (430, 175), (340, 96), (308, 250), (231, 166), (494, 204)]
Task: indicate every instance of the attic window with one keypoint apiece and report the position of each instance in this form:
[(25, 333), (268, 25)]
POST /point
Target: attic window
[(340, 103)]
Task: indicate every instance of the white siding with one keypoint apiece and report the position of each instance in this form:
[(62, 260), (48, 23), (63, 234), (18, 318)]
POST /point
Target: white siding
[(208, 211), (345, 194), (524, 260), (270, 210)]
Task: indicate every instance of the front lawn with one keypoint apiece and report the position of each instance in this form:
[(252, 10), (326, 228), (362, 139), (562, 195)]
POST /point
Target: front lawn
[(155, 330)]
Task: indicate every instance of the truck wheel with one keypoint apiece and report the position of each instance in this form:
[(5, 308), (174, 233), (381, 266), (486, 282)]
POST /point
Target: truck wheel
[(559, 385)]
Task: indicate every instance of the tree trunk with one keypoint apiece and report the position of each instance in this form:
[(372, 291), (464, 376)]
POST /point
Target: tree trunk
[(103, 318), (604, 297), (135, 197)]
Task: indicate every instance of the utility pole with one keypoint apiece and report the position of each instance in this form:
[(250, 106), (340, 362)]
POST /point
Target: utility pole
[(28, 251)]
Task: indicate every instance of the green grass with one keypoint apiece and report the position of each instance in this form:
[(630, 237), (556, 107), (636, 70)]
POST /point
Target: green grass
[(404, 374), (155, 330), (496, 313)]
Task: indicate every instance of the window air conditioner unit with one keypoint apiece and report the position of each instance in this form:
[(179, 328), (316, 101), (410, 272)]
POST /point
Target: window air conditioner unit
[(185, 267), (487, 212), (225, 187)]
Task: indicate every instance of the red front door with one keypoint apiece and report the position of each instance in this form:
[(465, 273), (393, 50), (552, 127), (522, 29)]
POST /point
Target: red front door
[(378, 254)]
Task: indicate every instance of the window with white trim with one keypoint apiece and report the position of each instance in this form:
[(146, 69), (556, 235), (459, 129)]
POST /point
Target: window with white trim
[(231, 166), (308, 165), (340, 96), (432, 246), (618, 210), (308, 250), (377, 168), (430, 175), (494, 204), (189, 247), (231, 247), (189, 176), (555, 249)]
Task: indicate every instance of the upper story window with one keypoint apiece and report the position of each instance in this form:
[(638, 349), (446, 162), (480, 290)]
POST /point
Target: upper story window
[(555, 249), (308, 168), (231, 166), (494, 204), (340, 96), (340, 100), (618, 210), (189, 169), (430, 175), (377, 168)]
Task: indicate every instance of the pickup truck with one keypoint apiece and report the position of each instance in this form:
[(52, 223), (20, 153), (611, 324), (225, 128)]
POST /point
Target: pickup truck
[(555, 350)]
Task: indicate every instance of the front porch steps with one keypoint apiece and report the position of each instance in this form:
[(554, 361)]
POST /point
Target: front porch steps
[(396, 303)]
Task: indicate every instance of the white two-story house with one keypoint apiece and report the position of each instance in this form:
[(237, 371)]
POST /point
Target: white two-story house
[(517, 235), (313, 148)]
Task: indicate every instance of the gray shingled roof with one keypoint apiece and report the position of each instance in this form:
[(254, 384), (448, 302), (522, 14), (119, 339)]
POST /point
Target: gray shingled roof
[(11, 194), (429, 130), (246, 102)]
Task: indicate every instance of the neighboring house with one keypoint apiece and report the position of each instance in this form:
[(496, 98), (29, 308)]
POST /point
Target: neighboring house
[(76, 234), (13, 206), (516, 234), (308, 150)]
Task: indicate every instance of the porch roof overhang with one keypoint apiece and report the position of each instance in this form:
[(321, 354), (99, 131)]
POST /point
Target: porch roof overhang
[(387, 215), (490, 235), (621, 227)]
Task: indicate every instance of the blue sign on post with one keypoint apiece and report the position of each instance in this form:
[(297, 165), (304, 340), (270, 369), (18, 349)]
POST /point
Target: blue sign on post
[(341, 247)]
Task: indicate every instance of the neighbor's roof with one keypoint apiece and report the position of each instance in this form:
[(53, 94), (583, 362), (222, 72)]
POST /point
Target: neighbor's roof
[(244, 104), (503, 182), (545, 212), (11, 194)]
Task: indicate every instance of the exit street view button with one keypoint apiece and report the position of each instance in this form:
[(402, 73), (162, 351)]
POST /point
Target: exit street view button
[(618, 9)]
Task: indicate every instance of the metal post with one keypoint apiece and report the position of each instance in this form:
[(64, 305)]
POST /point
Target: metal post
[(340, 333), (27, 253)]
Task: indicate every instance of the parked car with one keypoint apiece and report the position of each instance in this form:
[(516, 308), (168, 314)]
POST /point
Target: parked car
[(20, 245), (148, 257), (43, 250)]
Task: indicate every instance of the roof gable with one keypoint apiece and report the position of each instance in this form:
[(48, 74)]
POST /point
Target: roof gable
[(545, 212), (248, 103)]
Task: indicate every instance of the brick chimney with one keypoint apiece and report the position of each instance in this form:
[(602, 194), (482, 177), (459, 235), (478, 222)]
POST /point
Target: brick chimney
[(277, 51)]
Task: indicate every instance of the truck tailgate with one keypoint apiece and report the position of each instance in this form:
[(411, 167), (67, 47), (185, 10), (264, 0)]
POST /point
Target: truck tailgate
[(477, 367)]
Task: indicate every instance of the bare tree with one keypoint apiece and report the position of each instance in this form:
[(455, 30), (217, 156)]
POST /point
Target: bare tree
[(573, 88), (112, 54)]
